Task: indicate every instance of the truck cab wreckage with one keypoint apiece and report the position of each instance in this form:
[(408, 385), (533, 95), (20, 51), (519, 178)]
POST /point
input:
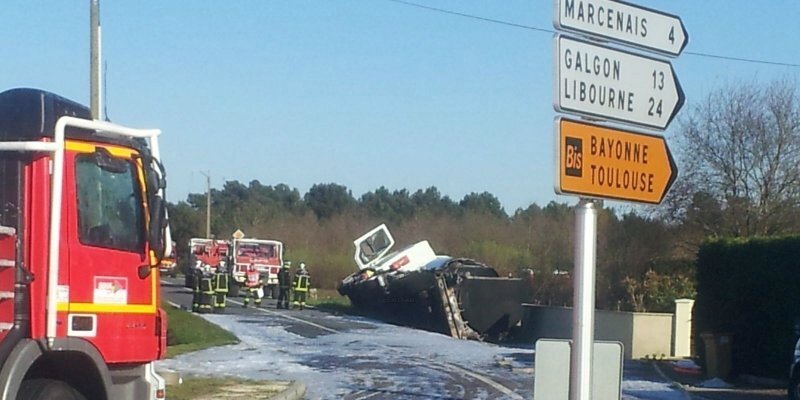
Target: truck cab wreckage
[(413, 286)]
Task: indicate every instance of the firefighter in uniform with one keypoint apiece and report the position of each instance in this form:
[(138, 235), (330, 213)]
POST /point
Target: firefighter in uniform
[(302, 280), (197, 272), (284, 284), (220, 287), (252, 285), (206, 289)]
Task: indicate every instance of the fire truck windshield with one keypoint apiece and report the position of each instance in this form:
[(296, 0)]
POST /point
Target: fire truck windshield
[(256, 250), (109, 204)]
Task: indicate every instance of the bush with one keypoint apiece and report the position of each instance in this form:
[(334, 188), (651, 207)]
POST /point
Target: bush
[(748, 288)]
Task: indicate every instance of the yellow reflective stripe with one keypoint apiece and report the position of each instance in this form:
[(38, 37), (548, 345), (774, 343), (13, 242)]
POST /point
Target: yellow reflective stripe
[(85, 147), (107, 308), (115, 308)]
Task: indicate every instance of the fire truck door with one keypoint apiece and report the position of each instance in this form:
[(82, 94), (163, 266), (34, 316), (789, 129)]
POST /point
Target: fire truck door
[(109, 303)]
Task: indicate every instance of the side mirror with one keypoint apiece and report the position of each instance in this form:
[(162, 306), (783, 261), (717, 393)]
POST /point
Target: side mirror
[(143, 271), (158, 223)]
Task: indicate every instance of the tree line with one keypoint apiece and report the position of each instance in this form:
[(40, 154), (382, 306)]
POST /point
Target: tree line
[(738, 153)]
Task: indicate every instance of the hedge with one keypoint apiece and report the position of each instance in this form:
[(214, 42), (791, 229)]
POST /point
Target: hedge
[(750, 289)]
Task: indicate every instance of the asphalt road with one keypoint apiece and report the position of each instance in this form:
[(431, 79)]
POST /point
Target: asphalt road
[(510, 377)]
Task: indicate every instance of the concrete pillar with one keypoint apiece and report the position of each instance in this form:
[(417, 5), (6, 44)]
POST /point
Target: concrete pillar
[(682, 328)]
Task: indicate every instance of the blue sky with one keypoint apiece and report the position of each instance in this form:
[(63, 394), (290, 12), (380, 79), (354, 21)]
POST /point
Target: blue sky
[(362, 93)]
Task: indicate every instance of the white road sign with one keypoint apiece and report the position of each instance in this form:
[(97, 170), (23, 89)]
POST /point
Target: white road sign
[(612, 84), (623, 22)]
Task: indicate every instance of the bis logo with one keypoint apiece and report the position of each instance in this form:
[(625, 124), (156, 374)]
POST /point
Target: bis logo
[(573, 159)]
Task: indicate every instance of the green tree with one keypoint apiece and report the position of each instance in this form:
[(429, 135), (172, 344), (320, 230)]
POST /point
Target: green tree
[(482, 203), (328, 199), (393, 207)]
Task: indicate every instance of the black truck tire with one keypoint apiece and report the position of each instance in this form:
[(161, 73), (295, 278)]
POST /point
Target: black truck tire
[(47, 389)]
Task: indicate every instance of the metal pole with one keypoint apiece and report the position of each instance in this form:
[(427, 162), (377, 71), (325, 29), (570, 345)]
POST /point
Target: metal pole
[(208, 203), (94, 59), (583, 313)]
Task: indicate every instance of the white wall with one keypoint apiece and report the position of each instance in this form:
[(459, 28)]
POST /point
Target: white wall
[(641, 334)]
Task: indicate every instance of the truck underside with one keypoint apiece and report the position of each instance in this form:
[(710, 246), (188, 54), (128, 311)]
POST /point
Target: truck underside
[(464, 299)]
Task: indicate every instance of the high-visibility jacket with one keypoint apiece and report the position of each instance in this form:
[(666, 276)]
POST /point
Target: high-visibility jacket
[(301, 282), (253, 279), (206, 285), (221, 282)]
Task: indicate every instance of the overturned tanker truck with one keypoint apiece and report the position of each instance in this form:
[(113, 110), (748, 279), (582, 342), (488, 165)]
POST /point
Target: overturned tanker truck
[(415, 287)]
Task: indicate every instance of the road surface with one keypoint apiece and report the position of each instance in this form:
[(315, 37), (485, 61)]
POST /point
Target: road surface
[(355, 358)]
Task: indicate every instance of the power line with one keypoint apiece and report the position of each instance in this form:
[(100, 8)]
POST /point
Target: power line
[(750, 60), (533, 28), (495, 21)]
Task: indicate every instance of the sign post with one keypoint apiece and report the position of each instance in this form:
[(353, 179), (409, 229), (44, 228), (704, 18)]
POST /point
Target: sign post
[(583, 299), (596, 161)]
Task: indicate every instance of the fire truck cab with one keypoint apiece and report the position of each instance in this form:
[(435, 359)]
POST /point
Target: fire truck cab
[(82, 231), (265, 255), (205, 255)]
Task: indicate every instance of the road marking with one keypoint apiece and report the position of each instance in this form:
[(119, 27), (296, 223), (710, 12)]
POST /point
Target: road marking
[(324, 328), (368, 395), (495, 385), (686, 394), (174, 304)]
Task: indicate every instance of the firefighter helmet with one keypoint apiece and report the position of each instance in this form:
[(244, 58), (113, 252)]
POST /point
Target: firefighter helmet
[(302, 265)]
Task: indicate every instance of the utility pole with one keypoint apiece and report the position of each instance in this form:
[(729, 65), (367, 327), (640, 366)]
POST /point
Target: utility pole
[(208, 203), (94, 59)]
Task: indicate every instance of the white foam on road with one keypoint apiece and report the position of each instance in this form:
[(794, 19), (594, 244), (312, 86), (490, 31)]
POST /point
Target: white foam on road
[(383, 361)]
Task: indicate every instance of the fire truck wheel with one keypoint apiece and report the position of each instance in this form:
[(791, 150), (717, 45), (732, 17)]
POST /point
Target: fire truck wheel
[(47, 389)]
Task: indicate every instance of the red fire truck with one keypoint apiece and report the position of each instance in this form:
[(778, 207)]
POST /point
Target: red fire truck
[(205, 255), (266, 255), (82, 231)]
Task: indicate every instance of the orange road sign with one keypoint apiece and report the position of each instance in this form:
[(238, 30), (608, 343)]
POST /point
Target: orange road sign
[(610, 163)]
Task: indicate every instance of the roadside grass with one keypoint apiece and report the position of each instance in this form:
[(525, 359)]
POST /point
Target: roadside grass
[(187, 333), (331, 300), (220, 388)]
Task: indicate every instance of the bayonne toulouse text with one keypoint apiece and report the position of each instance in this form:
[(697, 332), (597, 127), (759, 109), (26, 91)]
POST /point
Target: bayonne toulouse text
[(622, 152)]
